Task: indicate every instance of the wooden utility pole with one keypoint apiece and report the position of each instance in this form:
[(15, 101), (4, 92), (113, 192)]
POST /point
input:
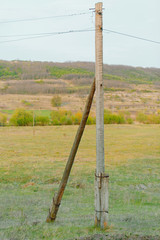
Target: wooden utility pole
[(101, 179), (58, 196)]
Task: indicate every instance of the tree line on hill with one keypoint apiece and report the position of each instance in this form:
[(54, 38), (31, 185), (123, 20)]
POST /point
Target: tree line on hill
[(24, 70)]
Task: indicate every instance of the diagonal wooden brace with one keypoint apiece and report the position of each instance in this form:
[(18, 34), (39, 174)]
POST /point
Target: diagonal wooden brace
[(58, 197)]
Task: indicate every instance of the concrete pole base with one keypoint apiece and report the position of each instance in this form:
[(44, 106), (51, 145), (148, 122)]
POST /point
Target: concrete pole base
[(101, 200)]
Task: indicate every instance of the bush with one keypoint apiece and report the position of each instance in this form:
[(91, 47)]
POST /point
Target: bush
[(153, 119), (76, 118), (55, 117), (141, 117), (66, 120), (42, 121), (28, 104), (61, 117), (3, 119), (148, 119), (56, 101), (110, 118), (126, 116), (129, 120), (91, 120), (21, 117)]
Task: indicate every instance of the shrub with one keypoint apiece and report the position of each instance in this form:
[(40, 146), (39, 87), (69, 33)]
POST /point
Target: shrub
[(153, 119), (3, 119), (42, 121), (91, 120), (55, 117), (141, 117), (148, 119), (21, 117), (111, 118), (28, 104), (126, 116), (76, 118), (66, 120), (56, 101), (40, 81), (61, 117), (129, 120)]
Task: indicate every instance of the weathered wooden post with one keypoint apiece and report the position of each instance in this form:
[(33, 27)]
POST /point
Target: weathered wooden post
[(101, 179), (58, 196)]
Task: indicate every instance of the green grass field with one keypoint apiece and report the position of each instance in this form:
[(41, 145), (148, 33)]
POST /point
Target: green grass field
[(45, 113), (31, 168), (9, 112)]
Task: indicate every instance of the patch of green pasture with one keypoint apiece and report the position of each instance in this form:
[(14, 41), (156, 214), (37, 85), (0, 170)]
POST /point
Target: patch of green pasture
[(59, 72), (7, 111), (31, 168), (42, 112), (45, 113)]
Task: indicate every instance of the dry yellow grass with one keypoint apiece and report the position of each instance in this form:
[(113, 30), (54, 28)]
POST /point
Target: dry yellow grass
[(53, 144), (32, 166), (139, 98)]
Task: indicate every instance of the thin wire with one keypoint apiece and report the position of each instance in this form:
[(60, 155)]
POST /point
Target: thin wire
[(40, 35), (42, 18), (131, 36), (37, 34), (23, 35), (48, 35)]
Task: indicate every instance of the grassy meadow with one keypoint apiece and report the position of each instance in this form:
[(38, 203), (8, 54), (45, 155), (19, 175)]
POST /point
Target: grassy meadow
[(31, 167)]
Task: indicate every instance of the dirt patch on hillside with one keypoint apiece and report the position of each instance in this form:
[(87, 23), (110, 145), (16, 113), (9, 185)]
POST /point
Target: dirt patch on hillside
[(118, 237)]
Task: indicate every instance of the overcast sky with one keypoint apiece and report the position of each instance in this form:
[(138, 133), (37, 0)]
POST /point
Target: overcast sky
[(136, 17)]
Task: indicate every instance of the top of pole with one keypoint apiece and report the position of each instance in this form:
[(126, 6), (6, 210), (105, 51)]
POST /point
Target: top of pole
[(99, 3), (97, 6)]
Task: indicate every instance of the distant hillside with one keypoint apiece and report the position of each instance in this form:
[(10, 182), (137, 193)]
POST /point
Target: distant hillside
[(31, 85), (27, 70)]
